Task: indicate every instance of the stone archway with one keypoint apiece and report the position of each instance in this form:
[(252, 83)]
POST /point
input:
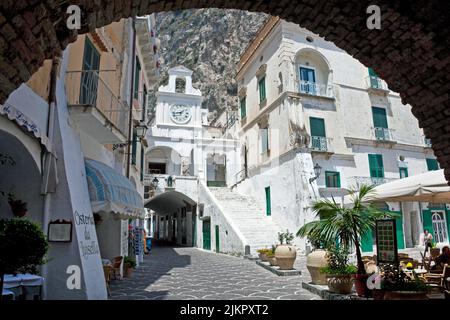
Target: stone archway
[(410, 51)]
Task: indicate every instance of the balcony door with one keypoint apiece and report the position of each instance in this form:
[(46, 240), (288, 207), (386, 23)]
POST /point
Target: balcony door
[(307, 80), (374, 79), (89, 75), (318, 135), (380, 123)]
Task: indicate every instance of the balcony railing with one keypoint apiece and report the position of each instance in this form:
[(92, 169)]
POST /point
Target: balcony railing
[(376, 83), (383, 134), (357, 181), (427, 142), (88, 88), (316, 89), (320, 144)]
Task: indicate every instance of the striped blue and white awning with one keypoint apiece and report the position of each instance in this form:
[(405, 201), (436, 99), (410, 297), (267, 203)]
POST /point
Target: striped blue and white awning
[(110, 191)]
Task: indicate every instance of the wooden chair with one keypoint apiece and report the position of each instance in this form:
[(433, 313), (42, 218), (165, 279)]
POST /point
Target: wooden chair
[(437, 280), (117, 263)]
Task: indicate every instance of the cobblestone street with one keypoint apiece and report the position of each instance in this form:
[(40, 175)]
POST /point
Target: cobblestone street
[(189, 273)]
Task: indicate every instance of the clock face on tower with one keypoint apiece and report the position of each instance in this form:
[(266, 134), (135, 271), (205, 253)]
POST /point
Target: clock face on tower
[(180, 114)]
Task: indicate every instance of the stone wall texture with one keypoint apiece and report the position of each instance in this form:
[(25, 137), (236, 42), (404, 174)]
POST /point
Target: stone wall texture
[(411, 51)]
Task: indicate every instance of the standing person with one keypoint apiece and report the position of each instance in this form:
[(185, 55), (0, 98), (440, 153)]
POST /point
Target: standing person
[(427, 239)]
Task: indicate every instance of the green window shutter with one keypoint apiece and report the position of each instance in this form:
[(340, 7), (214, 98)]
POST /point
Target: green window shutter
[(427, 222), (376, 166), (262, 89), (399, 230), (136, 78), (379, 117), (367, 242), (142, 163), (268, 204), (243, 105), (403, 172), (144, 104), (432, 164), (372, 73), (317, 127), (134, 147), (332, 179)]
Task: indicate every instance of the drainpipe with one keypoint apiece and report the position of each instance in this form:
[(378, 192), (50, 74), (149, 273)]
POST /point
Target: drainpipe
[(130, 122), (47, 163)]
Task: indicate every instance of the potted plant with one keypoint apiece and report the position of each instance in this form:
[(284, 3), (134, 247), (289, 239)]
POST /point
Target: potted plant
[(18, 207), (271, 256), (263, 254), (23, 246), (396, 285), (348, 224), (129, 265), (285, 253), (338, 271), (316, 260)]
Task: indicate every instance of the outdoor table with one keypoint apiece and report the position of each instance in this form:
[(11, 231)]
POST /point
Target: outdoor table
[(23, 284)]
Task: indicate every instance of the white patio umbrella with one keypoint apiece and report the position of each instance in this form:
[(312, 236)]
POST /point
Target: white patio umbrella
[(426, 187)]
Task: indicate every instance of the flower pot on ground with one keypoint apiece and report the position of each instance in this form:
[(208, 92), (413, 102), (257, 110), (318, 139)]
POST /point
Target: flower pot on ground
[(405, 295), (285, 253), (314, 262), (338, 271), (129, 265), (360, 281), (263, 254), (399, 286)]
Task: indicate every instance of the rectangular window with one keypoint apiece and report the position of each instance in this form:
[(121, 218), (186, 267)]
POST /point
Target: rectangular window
[(89, 78), (307, 80), (243, 106), (268, 204), (403, 172), (317, 127), (332, 179), (432, 165), (262, 89), (376, 166), (134, 147), (379, 117), (264, 136), (137, 77), (374, 83)]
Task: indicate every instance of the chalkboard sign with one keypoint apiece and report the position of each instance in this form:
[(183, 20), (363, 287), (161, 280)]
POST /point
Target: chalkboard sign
[(386, 235), (60, 231)]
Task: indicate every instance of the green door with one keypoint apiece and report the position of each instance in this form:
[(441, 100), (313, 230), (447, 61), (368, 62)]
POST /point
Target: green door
[(399, 229), (194, 230), (268, 204), (217, 238), (367, 242), (376, 166), (206, 234)]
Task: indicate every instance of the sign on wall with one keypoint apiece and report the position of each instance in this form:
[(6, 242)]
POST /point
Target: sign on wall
[(60, 231), (386, 239)]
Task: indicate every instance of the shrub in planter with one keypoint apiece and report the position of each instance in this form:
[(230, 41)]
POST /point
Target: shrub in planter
[(338, 271), (22, 247), (129, 265), (285, 253), (263, 254), (396, 285)]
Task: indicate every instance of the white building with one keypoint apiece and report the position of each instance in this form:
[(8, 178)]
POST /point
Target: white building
[(304, 102)]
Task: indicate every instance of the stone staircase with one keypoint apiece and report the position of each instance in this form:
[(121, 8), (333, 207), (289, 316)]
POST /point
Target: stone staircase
[(258, 229)]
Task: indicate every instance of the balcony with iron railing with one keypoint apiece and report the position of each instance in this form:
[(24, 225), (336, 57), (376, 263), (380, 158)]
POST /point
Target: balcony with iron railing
[(315, 89), (356, 181), (95, 106), (157, 184), (320, 144), (383, 134), (376, 84)]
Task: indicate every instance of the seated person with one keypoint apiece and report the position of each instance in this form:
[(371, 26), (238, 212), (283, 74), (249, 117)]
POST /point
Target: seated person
[(444, 257)]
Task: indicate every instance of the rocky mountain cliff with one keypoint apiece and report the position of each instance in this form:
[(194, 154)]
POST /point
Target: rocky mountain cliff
[(209, 42)]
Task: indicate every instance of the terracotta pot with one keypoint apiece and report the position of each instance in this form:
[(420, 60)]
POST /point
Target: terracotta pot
[(263, 257), (285, 255), (20, 213), (405, 295), (128, 272), (360, 281), (314, 261), (340, 283), (272, 261)]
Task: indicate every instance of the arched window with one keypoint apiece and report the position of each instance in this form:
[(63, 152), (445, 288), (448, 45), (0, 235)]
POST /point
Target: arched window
[(313, 73)]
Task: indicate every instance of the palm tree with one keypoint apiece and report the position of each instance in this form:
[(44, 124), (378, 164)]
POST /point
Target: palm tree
[(346, 224)]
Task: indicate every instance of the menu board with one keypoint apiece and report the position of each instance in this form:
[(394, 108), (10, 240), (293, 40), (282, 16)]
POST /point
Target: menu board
[(386, 241)]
